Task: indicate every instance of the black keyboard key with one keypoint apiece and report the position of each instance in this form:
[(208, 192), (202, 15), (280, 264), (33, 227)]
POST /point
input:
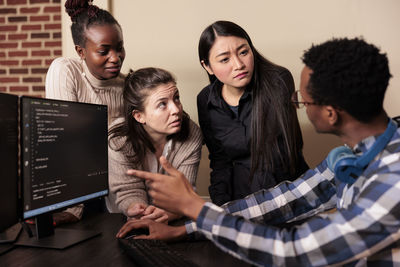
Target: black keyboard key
[(155, 253)]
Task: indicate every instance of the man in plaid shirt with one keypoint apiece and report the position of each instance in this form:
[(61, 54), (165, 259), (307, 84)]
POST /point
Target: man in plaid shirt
[(342, 87)]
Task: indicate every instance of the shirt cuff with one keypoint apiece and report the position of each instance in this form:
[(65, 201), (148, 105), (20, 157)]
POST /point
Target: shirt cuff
[(191, 227), (208, 217)]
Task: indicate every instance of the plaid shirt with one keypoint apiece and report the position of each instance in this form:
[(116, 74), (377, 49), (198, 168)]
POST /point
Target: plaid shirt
[(364, 229)]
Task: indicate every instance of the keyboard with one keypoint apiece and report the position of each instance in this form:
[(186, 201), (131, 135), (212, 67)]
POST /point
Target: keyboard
[(153, 253)]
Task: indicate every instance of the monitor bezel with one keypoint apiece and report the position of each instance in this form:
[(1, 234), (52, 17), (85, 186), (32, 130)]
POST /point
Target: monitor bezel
[(60, 205), (9, 227)]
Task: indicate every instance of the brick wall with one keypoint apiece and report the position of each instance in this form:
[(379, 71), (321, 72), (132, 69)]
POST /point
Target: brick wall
[(30, 38)]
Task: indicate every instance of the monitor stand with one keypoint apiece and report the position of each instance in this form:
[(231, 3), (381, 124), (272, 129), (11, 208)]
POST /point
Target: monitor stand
[(8, 237), (10, 234), (48, 237)]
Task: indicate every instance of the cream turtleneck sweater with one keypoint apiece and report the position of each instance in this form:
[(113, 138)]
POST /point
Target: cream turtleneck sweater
[(70, 79)]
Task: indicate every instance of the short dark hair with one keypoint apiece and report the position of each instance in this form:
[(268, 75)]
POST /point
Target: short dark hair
[(83, 15), (138, 84), (349, 74)]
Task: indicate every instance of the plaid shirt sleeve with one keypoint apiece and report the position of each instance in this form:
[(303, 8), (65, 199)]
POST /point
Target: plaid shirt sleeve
[(369, 225), (311, 193)]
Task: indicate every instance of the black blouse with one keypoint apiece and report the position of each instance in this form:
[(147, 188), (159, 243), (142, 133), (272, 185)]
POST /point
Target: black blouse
[(227, 135)]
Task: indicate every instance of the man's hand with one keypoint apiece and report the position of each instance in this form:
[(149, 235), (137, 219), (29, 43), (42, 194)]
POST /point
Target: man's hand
[(157, 230), (172, 192)]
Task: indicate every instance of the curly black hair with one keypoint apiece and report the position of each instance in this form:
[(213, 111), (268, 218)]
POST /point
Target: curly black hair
[(83, 15), (349, 74)]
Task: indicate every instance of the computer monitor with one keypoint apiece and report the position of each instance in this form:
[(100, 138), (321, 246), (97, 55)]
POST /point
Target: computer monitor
[(64, 162), (9, 214)]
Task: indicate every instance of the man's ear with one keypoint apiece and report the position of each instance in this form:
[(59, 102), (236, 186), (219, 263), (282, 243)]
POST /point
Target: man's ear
[(81, 51), (207, 68), (332, 115), (138, 116)]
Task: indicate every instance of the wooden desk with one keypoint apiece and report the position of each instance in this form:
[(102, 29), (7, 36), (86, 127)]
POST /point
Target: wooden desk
[(103, 250)]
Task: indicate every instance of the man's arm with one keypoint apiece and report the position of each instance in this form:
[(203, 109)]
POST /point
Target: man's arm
[(367, 225), (311, 193), (362, 229), (308, 195)]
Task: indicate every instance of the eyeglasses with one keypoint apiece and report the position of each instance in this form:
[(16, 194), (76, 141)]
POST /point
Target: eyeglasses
[(297, 100)]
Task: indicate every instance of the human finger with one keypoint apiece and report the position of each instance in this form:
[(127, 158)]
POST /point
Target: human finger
[(149, 176), (162, 219), (149, 210), (130, 225), (158, 217), (134, 212), (151, 216), (168, 167), (136, 209), (155, 213)]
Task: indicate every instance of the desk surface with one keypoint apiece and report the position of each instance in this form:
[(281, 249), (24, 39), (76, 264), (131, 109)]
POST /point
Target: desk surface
[(103, 250)]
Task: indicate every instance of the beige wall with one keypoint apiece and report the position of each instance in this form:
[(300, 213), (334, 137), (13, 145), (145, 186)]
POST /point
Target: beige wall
[(165, 34)]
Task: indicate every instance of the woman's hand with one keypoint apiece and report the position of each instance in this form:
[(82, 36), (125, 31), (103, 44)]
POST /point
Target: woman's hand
[(144, 211), (136, 210), (155, 214)]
